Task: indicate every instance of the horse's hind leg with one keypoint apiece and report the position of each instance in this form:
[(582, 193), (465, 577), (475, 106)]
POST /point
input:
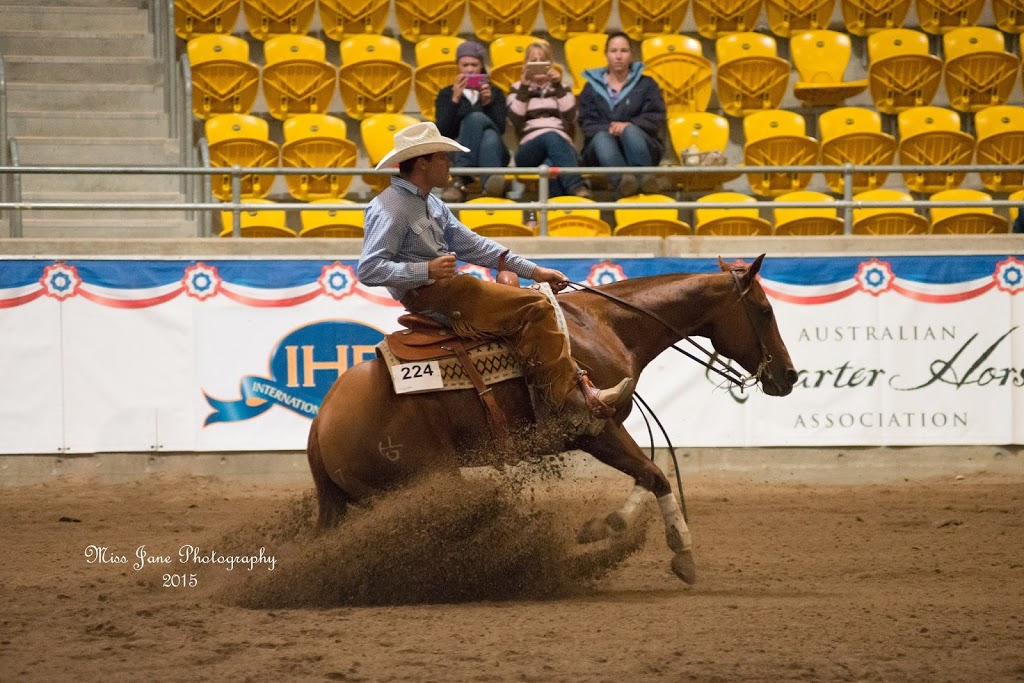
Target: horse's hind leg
[(616, 448), (331, 499)]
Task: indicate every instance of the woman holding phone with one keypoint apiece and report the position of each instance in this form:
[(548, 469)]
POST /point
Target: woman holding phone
[(542, 111), (622, 114), (472, 111)]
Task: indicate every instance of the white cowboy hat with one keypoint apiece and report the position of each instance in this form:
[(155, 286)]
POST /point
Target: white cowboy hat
[(417, 140)]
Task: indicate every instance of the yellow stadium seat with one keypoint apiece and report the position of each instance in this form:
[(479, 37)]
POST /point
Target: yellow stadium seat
[(241, 140), (821, 58), (568, 221), (224, 81), (198, 17), (373, 78), (777, 138), (495, 222), (565, 18), (331, 222), (297, 79), (751, 76), (418, 19), (1000, 132), (678, 66), (731, 221), (965, 220), (887, 220), (1009, 15), (942, 16), (507, 55), (253, 223), (266, 18), (494, 18), (585, 51), (931, 136), (317, 141), (893, 220), (822, 220), (853, 135), (715, 18), (378, 135), (435, 69), (649, 222), (901, 72), (642, 19), (708, 133), (865, 17), (343, 18), (788, 17), (979, 71)]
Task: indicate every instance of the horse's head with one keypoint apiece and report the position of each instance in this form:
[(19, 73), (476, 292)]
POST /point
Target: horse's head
[(745, 330)]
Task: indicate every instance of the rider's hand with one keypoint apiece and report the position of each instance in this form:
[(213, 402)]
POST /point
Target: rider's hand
[(555, 278), (442, 267)]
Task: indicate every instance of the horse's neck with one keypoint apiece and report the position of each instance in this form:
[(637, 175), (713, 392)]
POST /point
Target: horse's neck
[(683, 301)]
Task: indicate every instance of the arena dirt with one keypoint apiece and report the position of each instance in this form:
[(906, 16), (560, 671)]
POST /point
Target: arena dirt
[(909, 581)]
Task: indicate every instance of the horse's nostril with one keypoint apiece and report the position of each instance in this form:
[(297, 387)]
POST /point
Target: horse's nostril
[(792, 376)]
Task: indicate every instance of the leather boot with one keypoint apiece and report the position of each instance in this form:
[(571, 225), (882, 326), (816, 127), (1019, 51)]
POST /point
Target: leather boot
[(604, 402)]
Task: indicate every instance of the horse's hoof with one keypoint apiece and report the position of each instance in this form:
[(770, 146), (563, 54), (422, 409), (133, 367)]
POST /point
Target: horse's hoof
[(684, 566), (594, 530)]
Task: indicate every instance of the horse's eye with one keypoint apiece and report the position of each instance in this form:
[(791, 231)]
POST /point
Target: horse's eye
[(767, 312)]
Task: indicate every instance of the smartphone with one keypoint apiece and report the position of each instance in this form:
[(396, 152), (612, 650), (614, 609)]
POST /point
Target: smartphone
[(475, 81), (537, 68)]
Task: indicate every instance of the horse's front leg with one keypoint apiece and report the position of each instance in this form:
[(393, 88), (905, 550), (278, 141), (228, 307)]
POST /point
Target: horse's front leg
[(616, 448)]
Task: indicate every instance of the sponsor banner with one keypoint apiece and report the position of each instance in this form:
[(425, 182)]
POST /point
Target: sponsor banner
[(183, 355)]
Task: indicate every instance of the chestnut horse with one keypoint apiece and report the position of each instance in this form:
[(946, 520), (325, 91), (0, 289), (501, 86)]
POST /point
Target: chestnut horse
[(366, 438)]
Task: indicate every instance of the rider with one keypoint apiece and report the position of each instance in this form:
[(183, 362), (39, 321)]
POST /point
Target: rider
[(410, 246)]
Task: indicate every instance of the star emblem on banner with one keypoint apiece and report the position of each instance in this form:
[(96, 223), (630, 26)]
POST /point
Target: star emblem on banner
[(604, 273), (60, 281), (1009, 275), (875, 277), (337, 280), (477, 271), (201, 281)]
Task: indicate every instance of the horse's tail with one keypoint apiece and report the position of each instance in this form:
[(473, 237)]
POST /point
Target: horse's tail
[(331, 498)]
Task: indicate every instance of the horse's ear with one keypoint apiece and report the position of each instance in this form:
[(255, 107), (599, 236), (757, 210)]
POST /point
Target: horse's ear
[(755, 266), (721, 264)]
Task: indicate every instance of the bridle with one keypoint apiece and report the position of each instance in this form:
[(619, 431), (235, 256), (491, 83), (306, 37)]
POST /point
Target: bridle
[(714, 362)]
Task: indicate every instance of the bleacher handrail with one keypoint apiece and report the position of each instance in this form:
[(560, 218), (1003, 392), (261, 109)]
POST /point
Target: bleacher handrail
[(541, 206)]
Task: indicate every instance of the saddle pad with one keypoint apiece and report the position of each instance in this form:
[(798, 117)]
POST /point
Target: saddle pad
[(493, 359)]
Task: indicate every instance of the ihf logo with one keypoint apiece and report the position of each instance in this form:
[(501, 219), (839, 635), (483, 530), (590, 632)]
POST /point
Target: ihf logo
[(303, 366)]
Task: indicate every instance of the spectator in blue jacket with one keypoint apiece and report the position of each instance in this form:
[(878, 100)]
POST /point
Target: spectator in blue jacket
[(472, 110), (622, 115)]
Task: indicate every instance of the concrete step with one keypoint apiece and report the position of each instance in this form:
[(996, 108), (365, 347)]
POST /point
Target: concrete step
[(114, 197), (76, 43), (75, 4), (64, 69), (36, 17), (119, 227), (104, 215), (93, 185), (91, 97), (109, 151), (86, 123)]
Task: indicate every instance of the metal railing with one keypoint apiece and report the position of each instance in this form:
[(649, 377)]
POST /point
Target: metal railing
[(201, 200)]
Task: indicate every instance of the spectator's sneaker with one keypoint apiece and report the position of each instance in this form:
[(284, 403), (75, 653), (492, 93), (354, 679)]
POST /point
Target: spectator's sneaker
[(582, 190), (650, 184), (627, 186), (495, 186), (454, 194)]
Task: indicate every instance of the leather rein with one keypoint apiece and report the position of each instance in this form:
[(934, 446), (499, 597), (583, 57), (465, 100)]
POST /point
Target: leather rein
[(714, 362)]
